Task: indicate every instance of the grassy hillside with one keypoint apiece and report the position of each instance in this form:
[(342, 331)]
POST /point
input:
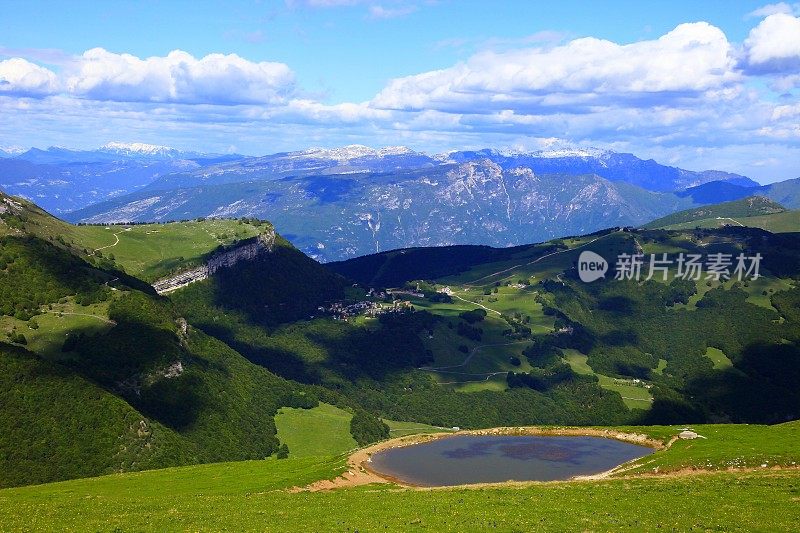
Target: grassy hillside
[(391, 269), (474, 265), (325, 430), (653, 344), (727, 213), (151, 396), (251, 495), (787, 221), (152, 251), (119, 380), (148, 251), (57, 425), (188, 381)]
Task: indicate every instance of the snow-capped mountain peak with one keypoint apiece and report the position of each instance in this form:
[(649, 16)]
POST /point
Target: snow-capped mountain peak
[(571, 152), (12, 150), (353, 151), (137, 148)]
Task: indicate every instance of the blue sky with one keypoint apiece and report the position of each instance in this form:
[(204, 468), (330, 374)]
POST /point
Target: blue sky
[(697, 84)]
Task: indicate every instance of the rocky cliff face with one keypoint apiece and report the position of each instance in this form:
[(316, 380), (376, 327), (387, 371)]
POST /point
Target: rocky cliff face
[(243, 251)]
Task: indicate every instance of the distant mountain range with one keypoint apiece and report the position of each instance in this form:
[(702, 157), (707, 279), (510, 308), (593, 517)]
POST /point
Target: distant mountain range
[(361, 159), (62, 180), (113, 151), (349, 201), (346, 215)]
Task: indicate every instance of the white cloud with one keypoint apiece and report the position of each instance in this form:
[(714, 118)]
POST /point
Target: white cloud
[(774, 45), (179, 77), (585, 72), (381, 12), (376, 9), (22, 78), (772, 9), (690, 90), (305, 111)]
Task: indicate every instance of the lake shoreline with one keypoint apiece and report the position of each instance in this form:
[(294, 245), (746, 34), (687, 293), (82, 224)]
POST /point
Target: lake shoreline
[(361, 473)]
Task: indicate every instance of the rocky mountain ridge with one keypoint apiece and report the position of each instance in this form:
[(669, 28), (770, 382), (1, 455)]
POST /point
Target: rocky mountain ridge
[(475, 202), (242, 251)]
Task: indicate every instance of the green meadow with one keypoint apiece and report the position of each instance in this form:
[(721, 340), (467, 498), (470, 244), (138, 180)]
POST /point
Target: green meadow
[(255, 495), (776, 223), (55, 323), (635, 396), (325, 430), (150, 251)]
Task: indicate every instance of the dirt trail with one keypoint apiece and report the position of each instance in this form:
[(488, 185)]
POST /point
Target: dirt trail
[(116, 236), (731, 219), (476, 303)]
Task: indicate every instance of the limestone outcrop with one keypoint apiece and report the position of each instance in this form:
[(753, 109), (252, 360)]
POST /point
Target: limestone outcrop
[(243, 251)]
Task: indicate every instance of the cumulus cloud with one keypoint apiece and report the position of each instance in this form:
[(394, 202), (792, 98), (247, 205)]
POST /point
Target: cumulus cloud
[(19, 77), (179, 77), (772, 9), (346, 113), (586, 72), (773, 47), (691, 90)]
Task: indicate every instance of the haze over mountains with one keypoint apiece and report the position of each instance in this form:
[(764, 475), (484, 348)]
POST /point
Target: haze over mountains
[(349, 201)]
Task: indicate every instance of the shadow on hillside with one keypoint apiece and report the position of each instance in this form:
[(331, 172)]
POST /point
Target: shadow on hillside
[(761, 387), (282, 286), (132, 360), (280, 361), (324, 352)]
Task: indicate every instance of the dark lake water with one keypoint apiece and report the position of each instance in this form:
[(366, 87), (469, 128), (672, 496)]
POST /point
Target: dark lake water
[(465, 459)]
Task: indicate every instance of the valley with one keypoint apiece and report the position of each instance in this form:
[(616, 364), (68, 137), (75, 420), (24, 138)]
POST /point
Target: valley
[(321, 360), (399, 266)]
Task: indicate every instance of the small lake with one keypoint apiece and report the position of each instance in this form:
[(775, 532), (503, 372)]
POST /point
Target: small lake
[(465, 459)]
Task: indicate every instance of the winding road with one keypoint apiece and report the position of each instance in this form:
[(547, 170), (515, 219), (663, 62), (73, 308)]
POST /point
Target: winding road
[(476, 303)]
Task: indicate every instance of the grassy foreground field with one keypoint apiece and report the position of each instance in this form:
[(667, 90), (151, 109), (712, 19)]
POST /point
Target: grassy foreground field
[(252, 496)]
